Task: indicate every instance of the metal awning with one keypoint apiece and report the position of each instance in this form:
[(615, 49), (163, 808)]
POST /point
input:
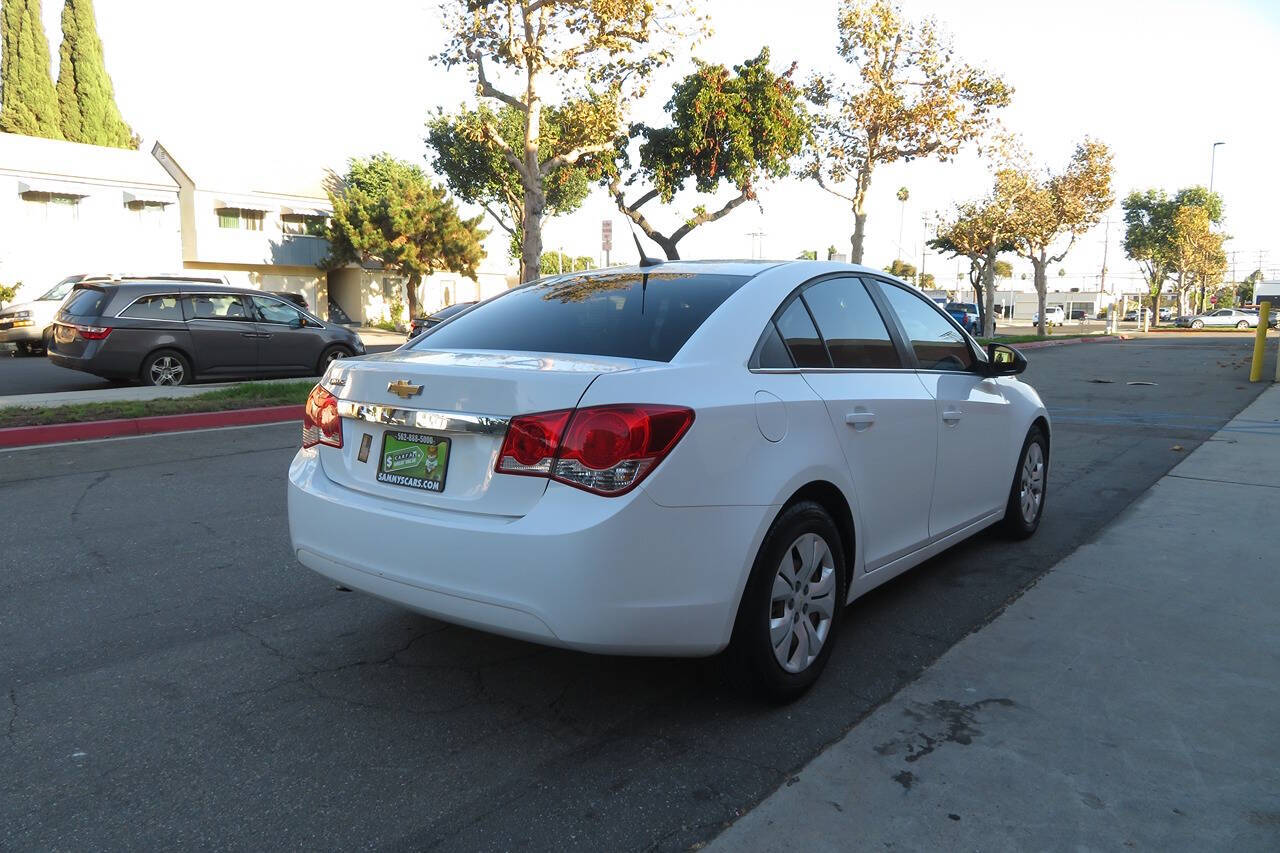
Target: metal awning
[(150, 197), (238, 203), (37, 185), (305, 211)]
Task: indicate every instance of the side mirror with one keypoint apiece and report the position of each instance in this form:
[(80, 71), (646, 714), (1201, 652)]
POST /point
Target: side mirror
[(1004, 361), (297, 323)]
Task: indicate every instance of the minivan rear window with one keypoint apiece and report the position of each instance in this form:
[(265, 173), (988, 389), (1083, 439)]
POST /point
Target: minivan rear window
[(623, 314), (85, 302)]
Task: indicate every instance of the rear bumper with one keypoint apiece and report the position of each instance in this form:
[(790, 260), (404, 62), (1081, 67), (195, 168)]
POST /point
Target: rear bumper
[(609, 575), (97, 359)]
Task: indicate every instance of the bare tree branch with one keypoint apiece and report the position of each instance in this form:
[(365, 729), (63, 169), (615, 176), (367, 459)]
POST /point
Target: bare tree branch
[(498, 219), (492, 134), (704, 217), (571, 157), (488, 90)]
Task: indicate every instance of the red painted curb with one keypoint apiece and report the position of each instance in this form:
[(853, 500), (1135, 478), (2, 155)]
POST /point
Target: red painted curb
[(1097, 339), (58, 433)]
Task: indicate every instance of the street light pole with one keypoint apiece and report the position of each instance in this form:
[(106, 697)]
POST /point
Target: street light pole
[(1213, 158)]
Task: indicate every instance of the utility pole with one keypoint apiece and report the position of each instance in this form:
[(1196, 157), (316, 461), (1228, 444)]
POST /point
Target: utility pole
[(1213, 158), (903, 195), (757, 237), (1106, 243)]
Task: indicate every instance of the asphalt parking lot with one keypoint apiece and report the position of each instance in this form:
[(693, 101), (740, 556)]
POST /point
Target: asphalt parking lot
[(174, 678)]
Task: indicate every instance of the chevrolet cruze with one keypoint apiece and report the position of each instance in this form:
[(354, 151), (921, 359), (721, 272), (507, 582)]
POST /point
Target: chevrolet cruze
[(671, 459)]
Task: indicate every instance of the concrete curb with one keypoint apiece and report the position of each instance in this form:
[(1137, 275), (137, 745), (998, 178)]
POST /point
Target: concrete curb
[(26, 436), (1097, 339)]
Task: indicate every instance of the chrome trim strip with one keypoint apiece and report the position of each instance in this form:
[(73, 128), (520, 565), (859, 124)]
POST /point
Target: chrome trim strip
[(427, 419)]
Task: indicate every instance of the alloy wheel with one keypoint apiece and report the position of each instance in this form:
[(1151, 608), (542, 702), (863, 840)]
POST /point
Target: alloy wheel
[(1031, 490), (803, 602), (167, 370)]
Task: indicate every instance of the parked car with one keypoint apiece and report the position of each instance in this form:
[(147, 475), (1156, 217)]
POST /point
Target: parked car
[(1224, 317), (1273, 317), (662, 461), (1052, 314), (29, 325), (966, 314), (1165, 315), (1077, 314), (1132, 315), (172, 332), (421, 324)]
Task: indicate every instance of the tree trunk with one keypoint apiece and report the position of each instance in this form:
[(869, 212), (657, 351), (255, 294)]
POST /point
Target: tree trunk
[(535, 199), (859, 217), (1038, 266), (411, 294), (989, 293)]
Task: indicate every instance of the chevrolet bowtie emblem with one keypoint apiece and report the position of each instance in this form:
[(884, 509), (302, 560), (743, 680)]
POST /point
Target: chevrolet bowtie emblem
[(403, 389)]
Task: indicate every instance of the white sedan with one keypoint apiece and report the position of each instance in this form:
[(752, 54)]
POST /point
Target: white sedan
[(668, 460)]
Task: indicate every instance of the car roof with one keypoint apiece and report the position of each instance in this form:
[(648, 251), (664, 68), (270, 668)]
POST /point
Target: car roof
[(172, 284)]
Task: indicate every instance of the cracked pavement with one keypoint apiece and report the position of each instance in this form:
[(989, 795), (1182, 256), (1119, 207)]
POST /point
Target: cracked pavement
[(184, 682)]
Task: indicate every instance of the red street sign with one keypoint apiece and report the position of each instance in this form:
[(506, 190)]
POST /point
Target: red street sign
[(1213, 300)]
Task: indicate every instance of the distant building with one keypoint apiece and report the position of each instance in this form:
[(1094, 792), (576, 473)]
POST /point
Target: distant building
[(68, 208)]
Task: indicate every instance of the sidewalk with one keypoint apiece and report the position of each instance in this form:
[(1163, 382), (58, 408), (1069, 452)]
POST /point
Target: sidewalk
[(127, 392), (1130, 700)]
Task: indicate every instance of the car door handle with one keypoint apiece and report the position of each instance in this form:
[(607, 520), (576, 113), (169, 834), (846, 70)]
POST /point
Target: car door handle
[(248, 334), (860, 420), (952, 416)]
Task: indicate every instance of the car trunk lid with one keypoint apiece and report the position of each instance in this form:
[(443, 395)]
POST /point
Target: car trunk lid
[(466, 397)]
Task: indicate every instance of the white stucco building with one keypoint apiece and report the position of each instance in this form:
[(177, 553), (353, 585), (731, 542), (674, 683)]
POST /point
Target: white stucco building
[(67, 208)]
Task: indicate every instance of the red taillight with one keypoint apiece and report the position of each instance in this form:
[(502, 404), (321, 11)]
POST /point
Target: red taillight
[(93, 333), (606, 450), (320, 421)]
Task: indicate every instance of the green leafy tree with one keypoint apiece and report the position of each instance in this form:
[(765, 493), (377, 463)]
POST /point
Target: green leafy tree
[(831, 252), (1003, 269), (594, 55), (1245, 289), (908, 97), (978, 231), (28, 103), (8, 292), (901, 269), (807, 255), (480, 174), (1148, 239), (386, 211), (1045, 208), (554, 263), (926, 281), (734, 127), (1198, 256), (86, 99)]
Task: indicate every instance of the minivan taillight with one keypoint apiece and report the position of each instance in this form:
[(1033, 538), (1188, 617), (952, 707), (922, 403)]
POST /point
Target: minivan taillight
[(606, 450), (93, 333), (320, 421)]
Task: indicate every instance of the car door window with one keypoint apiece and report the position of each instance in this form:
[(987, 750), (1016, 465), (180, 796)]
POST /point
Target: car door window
[(164, 307), (217, 306), (850, 324), (937, 343), (772, 352), (801, 337), (273, 311)]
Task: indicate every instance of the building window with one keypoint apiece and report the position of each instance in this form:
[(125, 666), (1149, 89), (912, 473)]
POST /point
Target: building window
[(236, 217), (302, 224), (53, 207), (146, 213)]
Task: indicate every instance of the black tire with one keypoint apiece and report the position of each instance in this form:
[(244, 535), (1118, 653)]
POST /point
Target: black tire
[(165, 363), (331, 354), (1016, 524), (751, 651), (22, 348)]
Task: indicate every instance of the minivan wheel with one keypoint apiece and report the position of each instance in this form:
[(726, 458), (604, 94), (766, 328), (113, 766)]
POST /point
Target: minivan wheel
[(166, 367), (1025, 507), (792, 604), (329, 356)]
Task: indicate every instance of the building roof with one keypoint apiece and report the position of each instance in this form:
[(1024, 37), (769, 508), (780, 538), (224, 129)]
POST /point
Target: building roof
[(55, 160), (246, 174)]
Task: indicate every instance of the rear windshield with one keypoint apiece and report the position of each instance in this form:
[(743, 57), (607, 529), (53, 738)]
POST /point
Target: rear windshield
[(85, 302), (623, 314)]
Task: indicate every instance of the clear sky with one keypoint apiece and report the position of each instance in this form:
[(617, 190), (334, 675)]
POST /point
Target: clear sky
[(282, 89)]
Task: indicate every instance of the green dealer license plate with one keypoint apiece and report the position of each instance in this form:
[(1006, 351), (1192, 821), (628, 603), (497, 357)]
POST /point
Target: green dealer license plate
[(414, 460)]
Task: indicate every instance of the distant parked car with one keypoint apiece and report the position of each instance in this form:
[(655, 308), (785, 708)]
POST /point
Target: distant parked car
[(966, 314), (1052, 314), (421, 324), (1077, 314), (170, 332), (1225, 317), (1132, 316), (1165, 315)]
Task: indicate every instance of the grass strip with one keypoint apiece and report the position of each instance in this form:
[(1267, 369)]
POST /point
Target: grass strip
[(247, 395), (1025, 339)]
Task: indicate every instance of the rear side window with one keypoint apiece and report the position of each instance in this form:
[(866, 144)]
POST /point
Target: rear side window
[(217, 306), (938, 344), (851, 325), (623, 314), (85, 302), (154, 308), (801, 338)]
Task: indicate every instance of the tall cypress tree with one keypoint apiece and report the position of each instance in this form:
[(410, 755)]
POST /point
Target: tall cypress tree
[(85, 97), (28, 104)]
